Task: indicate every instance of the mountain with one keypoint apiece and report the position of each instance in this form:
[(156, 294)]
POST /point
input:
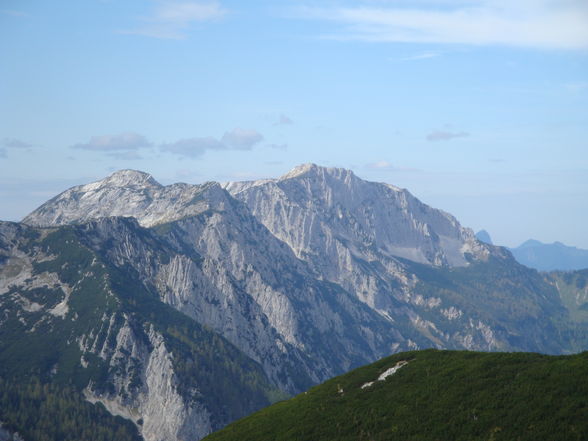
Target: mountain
[(321, 208), (434, 395), (407, 261), (77, 315), (550, 257), (127, 193), (484, 236), (210, 301)]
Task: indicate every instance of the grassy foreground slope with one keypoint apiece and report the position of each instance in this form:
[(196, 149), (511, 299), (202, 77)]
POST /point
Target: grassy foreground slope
[(437, 395)]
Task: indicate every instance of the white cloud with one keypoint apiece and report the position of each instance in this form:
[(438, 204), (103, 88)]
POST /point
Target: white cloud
[(241, 139), (122, 141), (236, 139), (551, 24), (173, 19), (193, 147), (444, 135)]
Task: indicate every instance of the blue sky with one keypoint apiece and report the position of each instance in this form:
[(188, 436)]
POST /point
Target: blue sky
[(478, 107)]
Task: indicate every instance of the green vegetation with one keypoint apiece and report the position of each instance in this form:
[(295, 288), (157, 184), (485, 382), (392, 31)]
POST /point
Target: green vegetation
[(37, 343), (438, 395), (46, 412)]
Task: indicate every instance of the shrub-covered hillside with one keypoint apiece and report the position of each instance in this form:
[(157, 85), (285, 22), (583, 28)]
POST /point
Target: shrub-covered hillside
[(436, 395)]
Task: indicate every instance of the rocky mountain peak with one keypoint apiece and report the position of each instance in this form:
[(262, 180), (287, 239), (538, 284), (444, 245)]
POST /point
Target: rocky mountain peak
[(316, 171), (127, 193), (312, 208), (128, 177)]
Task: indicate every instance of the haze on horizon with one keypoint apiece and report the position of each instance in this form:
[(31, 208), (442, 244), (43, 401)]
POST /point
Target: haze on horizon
[(477, 107)]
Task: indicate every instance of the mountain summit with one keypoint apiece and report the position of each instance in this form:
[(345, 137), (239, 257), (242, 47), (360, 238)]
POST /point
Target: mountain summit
[(316, 209), (310, 208), (127, 193)]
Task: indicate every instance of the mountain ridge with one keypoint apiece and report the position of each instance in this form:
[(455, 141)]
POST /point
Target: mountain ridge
[(307, 276)]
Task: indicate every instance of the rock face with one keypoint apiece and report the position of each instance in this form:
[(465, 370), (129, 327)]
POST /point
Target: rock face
[(112, 336), (319, 210), (156, 405), (344, 227), (213, 297)]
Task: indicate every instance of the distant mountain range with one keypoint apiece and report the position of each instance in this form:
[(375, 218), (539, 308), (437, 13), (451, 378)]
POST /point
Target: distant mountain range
[(549, 257), (184, 307), (434, 395), (545, 257)]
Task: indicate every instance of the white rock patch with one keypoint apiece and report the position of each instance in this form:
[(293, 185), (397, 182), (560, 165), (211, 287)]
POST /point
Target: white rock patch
[(386, 373)]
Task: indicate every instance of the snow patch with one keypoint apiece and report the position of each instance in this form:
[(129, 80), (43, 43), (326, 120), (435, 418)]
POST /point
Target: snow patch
[(386, 373)]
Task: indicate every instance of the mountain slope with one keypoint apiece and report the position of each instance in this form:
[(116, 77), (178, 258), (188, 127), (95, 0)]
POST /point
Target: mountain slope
[(407, 261), (435, 395), (73, 316)]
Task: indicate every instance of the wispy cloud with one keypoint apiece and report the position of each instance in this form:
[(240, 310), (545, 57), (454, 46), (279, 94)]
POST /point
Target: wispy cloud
[(445, 135), (388, 166), (278, 146), (422, 56), (193, 147), (241, 139), (551, 24), (13, 143), (578, 86), (119, 142), (236, 139), (173, 19), (283, 120), (381, 165), (126, 156)]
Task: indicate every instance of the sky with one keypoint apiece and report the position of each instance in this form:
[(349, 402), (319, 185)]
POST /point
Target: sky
[(477, 107)]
